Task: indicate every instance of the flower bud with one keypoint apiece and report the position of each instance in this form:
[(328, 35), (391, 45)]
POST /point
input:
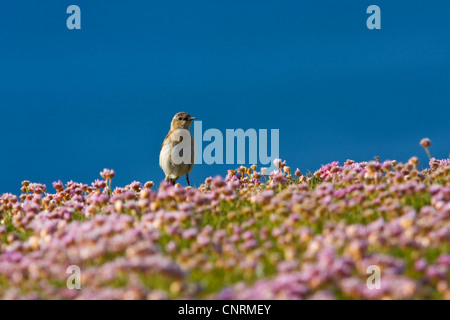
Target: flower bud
[(425, 142)]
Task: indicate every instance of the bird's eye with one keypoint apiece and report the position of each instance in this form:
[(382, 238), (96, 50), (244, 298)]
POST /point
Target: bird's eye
[(180, 118)]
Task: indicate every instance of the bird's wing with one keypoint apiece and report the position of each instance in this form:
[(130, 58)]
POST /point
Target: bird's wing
[(167, 137)]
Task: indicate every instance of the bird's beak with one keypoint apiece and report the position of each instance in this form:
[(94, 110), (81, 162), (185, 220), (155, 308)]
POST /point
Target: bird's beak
[(192, 118)]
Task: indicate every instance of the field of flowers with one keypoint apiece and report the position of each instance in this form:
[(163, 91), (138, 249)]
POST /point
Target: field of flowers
[(246, 236)]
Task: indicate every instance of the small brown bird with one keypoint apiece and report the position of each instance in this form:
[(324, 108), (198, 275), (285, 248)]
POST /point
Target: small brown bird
[(172, 167)]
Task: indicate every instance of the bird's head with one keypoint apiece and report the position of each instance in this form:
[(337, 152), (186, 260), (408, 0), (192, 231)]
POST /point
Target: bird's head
[(181, 120)]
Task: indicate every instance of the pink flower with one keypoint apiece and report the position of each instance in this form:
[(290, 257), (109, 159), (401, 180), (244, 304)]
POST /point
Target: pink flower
[(107, 174)]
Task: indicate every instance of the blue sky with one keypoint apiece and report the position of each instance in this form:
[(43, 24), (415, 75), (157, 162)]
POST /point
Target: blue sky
[(76, 101)]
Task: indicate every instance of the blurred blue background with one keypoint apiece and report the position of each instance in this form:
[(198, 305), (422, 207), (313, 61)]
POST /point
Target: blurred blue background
[(76, 101)]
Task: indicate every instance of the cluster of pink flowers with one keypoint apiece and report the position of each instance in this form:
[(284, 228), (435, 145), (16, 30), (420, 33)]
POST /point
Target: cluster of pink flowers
[(250, 235)]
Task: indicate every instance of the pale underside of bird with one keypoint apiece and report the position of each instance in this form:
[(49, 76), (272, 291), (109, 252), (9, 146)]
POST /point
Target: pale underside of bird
[(172, 168)]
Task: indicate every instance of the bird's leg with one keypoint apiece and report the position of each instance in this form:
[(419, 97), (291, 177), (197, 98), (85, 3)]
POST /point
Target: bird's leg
[(187, 179), (170, 180)]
